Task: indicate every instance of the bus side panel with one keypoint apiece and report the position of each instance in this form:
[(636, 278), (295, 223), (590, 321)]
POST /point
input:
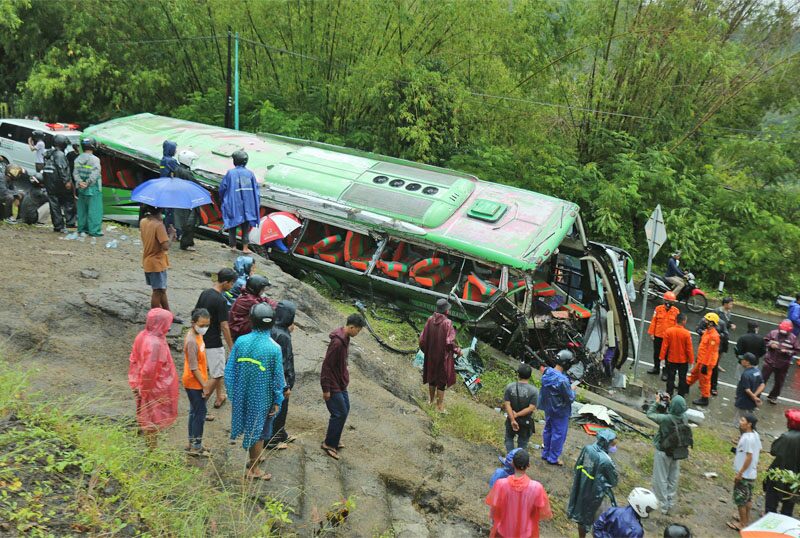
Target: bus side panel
[(629, 342)]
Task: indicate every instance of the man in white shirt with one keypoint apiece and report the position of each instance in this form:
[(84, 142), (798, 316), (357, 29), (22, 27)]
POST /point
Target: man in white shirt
[(745, 463), (36, 143)]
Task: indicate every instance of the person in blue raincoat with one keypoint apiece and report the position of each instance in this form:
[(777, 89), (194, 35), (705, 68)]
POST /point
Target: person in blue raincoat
[(555, 399), (168, 163), (506, 470), (618, 522), (595, 476), (255, 383), (244, 267), (240, 200)]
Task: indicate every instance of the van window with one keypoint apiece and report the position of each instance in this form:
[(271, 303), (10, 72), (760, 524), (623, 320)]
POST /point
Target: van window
[(6, 130), (21, 134)]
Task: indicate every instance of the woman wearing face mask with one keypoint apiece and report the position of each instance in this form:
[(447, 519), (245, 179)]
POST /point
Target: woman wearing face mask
[(195, 380), (595, 476)]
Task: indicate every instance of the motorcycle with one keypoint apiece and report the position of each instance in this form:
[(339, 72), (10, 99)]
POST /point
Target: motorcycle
[(693, 297)]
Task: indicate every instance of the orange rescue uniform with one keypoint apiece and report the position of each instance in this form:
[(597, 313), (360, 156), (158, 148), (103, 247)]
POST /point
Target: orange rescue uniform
[(707, 355), (677, 346), (663, 319)]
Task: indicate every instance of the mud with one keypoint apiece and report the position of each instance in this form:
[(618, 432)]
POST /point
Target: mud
[(71, 312)]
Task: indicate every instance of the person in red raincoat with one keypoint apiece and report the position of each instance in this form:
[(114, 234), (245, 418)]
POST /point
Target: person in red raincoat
[(152, 376), (438, 343)]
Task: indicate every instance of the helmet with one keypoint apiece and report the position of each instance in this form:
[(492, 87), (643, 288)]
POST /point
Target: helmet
[(13, 171), (60, 141), (256, 284), (793, 419), (37, 178), (677, 253), (239, 157), (669, 296), (564, 357), (643, 501), (676, 530), (785, 325), (37, 135), (261, 316), (712, 317), (88, 143), (186, 157)]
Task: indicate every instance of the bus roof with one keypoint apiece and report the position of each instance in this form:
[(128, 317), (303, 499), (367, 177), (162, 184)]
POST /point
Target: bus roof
[(484, 220)]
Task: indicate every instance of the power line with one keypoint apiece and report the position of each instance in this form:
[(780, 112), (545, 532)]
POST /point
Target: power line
[(169, 40)]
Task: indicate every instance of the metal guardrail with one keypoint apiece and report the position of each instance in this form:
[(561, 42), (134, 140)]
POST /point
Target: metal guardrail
[(783, 301)]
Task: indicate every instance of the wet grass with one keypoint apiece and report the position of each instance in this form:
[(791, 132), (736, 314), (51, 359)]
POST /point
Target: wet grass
[(464, 422), (63, 473)]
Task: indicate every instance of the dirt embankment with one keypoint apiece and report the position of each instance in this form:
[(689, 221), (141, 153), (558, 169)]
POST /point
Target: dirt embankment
[(72, 309)]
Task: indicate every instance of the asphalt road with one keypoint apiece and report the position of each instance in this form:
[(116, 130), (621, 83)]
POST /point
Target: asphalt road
[(790, 395)]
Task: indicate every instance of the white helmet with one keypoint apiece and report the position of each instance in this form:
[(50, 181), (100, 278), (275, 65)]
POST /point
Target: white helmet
[(186, 157), (643, 501)]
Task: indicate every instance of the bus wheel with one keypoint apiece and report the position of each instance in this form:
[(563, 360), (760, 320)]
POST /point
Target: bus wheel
[(696, 303)]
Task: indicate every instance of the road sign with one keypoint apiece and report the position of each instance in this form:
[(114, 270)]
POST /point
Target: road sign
[(656, 230)]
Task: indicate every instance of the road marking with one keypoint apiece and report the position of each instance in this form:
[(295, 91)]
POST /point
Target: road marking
[(723, 383)]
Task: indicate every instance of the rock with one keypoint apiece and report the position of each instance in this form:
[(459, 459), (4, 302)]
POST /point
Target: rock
[(89, 274), (126, 304)]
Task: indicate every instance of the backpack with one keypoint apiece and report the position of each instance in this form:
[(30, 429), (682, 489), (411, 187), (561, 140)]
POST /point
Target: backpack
[(677, 441), (49, 169)]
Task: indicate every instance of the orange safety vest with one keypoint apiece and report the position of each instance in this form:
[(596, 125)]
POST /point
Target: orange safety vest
[(708, 350), (662, 320)]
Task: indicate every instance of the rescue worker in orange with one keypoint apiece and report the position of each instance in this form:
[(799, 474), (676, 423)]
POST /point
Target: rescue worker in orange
[(664, 317), (678, 353), (707, 357)]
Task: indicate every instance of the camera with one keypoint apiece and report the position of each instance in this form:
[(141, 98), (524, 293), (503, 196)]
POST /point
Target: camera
[(664, 397)]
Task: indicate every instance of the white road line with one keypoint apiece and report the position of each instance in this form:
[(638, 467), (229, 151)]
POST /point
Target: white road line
[(724, 383)]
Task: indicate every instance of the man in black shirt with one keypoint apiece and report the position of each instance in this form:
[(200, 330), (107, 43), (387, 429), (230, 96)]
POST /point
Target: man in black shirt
[(216, 304), (519, 402), (751, 342), (749, 388)]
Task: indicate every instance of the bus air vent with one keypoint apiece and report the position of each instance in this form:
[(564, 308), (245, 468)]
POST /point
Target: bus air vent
[(397, 183), (413, 187), (396, 202), (380, 180), (420, 174), (430, 190), (487, 210)]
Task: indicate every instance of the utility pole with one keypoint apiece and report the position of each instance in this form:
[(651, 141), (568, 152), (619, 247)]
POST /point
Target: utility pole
[(236, 84), (228, 98)]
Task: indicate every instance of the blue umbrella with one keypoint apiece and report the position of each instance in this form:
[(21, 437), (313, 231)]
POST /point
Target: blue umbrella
[(171, 192)]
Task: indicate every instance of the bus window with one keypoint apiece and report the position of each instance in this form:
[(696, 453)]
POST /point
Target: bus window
[(396, 260), (358, 250), (326, 243)]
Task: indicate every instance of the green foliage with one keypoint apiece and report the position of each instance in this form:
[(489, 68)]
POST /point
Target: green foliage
[(615, 105), (466, 422), (789, 481)]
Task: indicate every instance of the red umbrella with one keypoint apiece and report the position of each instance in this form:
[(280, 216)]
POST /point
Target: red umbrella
[(274, 226)]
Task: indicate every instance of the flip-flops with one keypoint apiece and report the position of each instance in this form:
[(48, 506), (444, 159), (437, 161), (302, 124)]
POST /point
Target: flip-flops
[(217, 405), (329, 451), (201, 452), (734, 526)]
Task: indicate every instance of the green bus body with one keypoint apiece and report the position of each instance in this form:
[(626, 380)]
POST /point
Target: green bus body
[(512, 231)]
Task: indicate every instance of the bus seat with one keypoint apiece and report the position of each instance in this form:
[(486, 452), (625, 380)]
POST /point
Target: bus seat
[(393, 269), (429, 272), (512, 284), (354, 251), (126, 178), (329, 249), (577, 310), (210, 213), (542, 289), (313, 231), (476, 289)]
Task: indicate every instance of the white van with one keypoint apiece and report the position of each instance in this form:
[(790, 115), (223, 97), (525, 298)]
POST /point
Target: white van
[(14, 135)]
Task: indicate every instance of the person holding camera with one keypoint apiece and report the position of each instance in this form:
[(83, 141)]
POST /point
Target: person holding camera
[(671, 443), (555, 399), (519, 402)]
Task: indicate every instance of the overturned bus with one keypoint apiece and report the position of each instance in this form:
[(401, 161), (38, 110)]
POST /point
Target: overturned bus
[(516, 265)]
